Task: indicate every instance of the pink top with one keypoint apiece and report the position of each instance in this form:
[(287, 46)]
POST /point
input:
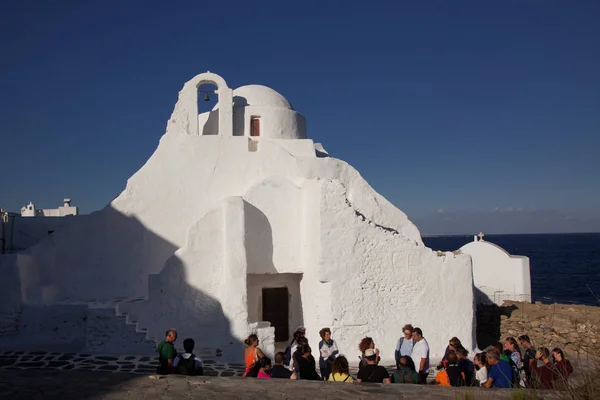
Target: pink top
[(263, 375)]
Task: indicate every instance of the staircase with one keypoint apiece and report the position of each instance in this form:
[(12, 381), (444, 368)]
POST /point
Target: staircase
[(96, 327)]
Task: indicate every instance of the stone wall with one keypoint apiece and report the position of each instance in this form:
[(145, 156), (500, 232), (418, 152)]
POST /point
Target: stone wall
[(574, 328)]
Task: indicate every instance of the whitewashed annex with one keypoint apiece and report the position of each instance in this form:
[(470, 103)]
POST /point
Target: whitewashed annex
[(498, 275), (237, 223)]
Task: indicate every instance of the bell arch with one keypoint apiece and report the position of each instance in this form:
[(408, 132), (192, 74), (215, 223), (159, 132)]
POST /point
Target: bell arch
[(189, 95)]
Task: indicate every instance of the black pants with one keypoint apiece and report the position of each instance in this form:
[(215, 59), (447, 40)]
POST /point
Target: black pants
[(325, 372), (423, 376)]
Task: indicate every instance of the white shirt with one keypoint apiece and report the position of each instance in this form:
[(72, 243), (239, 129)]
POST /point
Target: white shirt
[(185, 356), (406, 348), (481, 375), (327, 351), (293, 349), (420, 350)]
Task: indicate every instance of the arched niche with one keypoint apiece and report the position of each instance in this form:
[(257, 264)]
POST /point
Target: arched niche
[(189, 95)]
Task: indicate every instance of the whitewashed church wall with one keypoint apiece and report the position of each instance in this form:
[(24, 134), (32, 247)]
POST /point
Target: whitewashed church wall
[(380, 281), (361, 195), (498, 275), (274, 227)]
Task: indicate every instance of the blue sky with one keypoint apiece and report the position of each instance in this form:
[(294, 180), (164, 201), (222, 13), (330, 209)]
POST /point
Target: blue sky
[(460, 111)]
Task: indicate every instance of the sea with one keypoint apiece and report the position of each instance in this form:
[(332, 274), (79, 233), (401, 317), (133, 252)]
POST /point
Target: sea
[(565, 268)]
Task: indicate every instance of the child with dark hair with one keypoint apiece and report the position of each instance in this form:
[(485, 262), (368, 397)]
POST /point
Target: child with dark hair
[(328, 352), (187, 363), (264, 365)]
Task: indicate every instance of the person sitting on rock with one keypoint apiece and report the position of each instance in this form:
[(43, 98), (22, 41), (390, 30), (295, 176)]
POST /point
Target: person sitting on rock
[(500, 372), (528, 354), (279, 371), (562, 365), (251, 355), (187, 363), (371, 372), (499, 347), (166, 353), (542, 377), (451, 375), (406, 373), (306, 364), (340, 371)]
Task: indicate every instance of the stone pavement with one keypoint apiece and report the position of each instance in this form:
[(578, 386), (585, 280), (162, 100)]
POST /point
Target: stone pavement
[(18, 360), (54, 384)]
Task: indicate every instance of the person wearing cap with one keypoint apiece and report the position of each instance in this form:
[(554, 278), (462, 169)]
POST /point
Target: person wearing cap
[(371, 372), (420, 354)]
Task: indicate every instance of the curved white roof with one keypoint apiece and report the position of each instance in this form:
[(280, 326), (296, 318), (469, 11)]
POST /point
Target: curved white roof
[(258, 95)]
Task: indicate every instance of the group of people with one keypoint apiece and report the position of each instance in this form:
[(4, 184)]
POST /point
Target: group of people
[(512, 363)]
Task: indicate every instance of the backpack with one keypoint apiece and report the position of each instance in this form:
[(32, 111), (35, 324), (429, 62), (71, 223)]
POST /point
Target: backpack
[(404, 375), (187, 366), (516, 374)]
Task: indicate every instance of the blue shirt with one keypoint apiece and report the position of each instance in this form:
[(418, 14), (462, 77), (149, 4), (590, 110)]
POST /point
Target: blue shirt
[(501, 373)]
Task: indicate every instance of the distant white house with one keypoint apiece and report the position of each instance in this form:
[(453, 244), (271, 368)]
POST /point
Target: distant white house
[(497, 275), (62, 211)]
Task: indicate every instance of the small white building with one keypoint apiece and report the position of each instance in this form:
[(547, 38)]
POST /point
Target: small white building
[(497, 275), (238, 223), (62, 211)]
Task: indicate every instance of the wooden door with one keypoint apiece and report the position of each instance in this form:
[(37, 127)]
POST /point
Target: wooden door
[(275, 309)]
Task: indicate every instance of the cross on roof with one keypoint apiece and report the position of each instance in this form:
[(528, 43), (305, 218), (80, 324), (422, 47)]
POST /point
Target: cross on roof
[(481, 235)]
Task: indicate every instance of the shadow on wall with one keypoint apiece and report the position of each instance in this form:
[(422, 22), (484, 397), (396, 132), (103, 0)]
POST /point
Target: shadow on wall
[(103, 254), (489, 320), (211, 126), (175, 303), (259, 241)]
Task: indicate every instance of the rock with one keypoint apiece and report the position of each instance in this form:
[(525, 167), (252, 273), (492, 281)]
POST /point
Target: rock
[(535, 324)]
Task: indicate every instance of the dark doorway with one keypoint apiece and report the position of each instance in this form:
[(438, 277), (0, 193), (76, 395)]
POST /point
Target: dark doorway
[(275, 309)]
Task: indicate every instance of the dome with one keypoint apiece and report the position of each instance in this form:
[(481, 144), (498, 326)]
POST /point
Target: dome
[(258, 95)]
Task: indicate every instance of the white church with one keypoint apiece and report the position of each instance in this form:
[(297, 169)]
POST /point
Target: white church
[(238, 223)]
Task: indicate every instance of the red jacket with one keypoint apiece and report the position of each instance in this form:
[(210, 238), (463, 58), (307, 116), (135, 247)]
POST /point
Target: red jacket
[(543, 377), (564, 368)]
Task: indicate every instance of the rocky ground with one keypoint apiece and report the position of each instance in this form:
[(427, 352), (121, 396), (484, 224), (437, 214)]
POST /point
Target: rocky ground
[(52, 384), (574, 328)]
